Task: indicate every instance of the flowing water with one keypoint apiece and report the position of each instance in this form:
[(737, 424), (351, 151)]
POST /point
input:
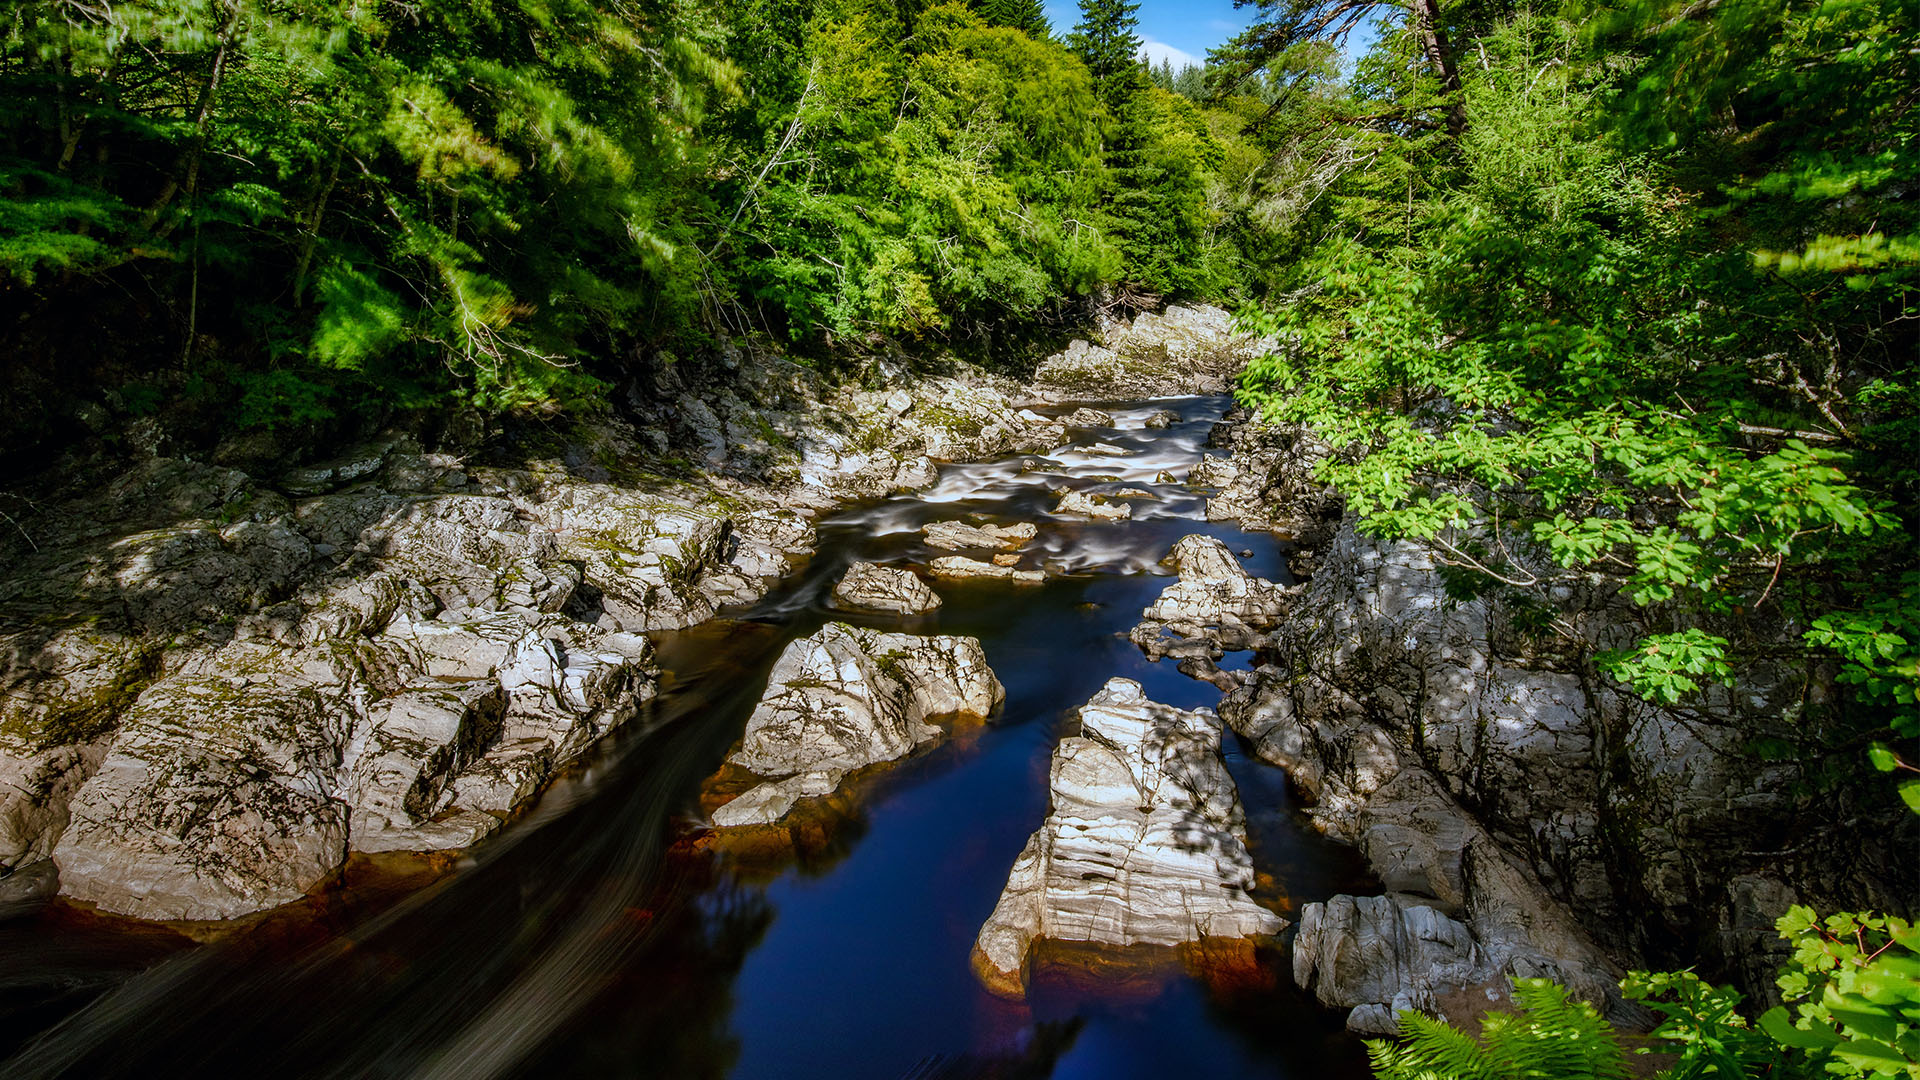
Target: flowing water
[(604, 936)]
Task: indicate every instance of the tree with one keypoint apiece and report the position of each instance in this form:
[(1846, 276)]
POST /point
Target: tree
[(1283, 25), (1105, 41), (1026, 16)]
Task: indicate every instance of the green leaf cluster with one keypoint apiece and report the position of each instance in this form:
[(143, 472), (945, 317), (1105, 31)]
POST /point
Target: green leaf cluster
[(1635, 303)]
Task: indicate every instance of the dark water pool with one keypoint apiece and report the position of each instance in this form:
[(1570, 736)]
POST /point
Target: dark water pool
[(601, 936)]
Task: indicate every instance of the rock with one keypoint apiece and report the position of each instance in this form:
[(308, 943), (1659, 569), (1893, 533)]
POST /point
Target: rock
[(1008, 559), (1107, 450), (959, 536), (1092, 505), (216, 798), (847, 698), (1215, 607), (1371, 649), (1161, 419), (1087, 417), (1144, 842), (955, 566), (1381, 956), (867, 587), (1182, 350), (28, 885), (418, 742), (1134, 493)]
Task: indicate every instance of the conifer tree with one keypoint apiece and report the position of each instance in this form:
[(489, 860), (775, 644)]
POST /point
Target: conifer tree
[(1106, 42), (1025, 16)]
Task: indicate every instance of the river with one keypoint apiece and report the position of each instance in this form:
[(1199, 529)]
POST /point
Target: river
[(604, 935)]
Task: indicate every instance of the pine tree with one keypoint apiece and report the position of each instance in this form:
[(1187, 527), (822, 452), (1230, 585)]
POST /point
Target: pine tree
[(1025, 16), (1106, 42)]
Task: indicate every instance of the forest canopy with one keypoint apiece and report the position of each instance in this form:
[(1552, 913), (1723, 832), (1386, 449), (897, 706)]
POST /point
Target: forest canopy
[(307, 207)]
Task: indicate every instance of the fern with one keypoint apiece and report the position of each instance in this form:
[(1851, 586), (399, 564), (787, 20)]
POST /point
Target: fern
[(1550, 1038)]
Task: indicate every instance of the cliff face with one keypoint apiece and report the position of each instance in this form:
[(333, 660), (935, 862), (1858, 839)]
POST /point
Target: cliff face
[(1490, 773)]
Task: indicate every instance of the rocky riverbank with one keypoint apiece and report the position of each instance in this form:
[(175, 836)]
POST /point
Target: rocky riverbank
[(1527, 815), (222, 676)]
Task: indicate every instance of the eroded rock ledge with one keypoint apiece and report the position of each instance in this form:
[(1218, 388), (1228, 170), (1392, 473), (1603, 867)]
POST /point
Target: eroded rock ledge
[(1144, 842)]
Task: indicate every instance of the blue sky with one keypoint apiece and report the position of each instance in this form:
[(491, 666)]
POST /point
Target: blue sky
[(1183, 31), (1180, 31)]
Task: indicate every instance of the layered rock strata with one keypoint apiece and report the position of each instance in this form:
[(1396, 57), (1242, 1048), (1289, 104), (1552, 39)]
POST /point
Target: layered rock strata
[(214, 689), (846, 698), (959, 567), (1144, 842)]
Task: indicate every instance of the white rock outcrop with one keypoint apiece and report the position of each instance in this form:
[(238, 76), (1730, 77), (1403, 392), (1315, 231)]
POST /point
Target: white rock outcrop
[(960, 536), (1089, 504), (961, 567), (849, 697), (866, 587), (1144, 842)]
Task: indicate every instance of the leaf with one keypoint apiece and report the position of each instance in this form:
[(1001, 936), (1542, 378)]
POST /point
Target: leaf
[(1779, 1027)]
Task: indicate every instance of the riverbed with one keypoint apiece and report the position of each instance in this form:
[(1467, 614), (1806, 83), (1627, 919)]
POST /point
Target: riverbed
[(606, 934)]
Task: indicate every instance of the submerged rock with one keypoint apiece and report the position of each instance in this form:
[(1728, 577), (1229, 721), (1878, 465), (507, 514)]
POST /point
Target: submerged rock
[(960, 536), (867, 587), (847, 698), (1144, 842), (956, 566)]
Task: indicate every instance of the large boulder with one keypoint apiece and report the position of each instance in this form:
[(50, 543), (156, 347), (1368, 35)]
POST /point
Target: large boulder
[(1380, 956), (1216, 606), (846, 698), (866, 587), (1144, 842)]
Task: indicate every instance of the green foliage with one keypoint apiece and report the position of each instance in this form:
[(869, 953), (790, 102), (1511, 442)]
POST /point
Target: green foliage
[(1105, 41), (376, 171), (1853, 1010), (1549, 1037), (1853, 988), (1645, 314), (1026, 16), (1702, 1020)]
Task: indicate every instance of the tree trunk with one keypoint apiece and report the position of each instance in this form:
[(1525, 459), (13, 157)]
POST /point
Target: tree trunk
[(1433, 41)]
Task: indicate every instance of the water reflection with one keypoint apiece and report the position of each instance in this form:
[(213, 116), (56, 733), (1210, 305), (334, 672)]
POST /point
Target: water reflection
[(608, 934)]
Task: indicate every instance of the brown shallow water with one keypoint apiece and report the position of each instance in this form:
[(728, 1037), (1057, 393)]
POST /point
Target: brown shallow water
[(606, 934)]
